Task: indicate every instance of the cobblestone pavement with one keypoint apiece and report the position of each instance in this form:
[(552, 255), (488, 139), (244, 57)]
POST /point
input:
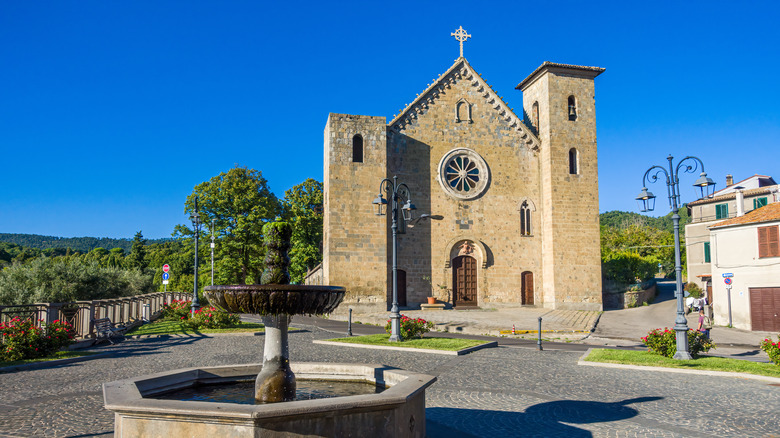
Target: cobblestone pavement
[(492, 393)]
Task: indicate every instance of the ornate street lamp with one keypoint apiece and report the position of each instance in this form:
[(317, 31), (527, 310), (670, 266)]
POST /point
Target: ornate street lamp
[(195, 218), (646, 201), (396, 192), (212, 252)]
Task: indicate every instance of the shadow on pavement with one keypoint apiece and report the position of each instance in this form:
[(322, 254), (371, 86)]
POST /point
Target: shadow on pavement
[(544, 419)]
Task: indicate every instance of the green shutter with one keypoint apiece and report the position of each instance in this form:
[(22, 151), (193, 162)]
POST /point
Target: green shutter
[(758, 202), (721, 211), (706, 252)]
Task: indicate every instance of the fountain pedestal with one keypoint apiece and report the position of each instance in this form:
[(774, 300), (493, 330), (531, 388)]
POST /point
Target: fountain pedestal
[(276, 381)]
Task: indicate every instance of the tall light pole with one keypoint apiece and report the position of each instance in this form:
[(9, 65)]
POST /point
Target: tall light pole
[(212, 252), (646, 201), (395, 192), (195, 218)]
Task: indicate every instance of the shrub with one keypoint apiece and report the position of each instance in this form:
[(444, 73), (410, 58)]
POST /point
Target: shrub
[(210, 318), (176, 309), (693, 290), (628, 267), (772, 349), (22, 339), (664, 342), (412, 328)]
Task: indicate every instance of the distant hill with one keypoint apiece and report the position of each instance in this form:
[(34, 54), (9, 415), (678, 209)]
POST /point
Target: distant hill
[(81, 244), (623, 219)]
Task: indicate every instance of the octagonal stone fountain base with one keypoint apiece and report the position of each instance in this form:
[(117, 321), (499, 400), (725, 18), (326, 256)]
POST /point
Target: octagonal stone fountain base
[(398, 411)]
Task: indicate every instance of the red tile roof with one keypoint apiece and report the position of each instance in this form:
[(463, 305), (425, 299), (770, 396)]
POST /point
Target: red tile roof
[(767, 213)]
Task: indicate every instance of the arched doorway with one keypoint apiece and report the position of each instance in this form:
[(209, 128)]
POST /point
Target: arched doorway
[(464, 281), (527, 279)]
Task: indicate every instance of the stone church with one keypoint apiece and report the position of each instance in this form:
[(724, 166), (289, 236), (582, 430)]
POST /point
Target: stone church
[(513, 197)]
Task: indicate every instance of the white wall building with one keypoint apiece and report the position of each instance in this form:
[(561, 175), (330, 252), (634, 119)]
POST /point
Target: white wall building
[(747, 247)]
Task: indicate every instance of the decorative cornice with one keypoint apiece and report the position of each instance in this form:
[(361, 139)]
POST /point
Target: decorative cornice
[(462, 70)]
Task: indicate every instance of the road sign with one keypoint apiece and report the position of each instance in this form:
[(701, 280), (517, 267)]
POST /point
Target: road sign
[(166, 268), (728, 275), (727, 280), (166, 276), (165, 281)]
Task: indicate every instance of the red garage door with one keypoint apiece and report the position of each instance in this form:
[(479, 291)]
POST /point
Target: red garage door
[(765, 308)]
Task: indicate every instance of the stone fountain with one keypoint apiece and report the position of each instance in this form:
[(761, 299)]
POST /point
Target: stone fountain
[(399, 410)]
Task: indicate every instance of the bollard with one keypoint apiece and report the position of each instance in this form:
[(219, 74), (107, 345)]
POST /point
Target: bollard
[(539, 341), (349, 323), (513, 329)]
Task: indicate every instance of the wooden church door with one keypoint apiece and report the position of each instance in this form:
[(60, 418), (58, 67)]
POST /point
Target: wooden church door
[(464, 281), (528, 287), (401, 288)]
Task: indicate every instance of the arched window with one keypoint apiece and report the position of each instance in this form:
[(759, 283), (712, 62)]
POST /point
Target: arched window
[(572, 108), (535, 116), (357, 149), (525, 219), (573, 161)]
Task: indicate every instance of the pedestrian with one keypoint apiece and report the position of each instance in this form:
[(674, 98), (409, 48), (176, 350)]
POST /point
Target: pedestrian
[(705, 323)]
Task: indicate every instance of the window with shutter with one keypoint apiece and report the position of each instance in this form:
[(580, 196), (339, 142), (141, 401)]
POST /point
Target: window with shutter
[(759, 202), (706, 252), (768, 242), (721, 211)]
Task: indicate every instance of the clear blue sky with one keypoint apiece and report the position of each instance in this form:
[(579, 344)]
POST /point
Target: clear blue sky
[(111, 112)]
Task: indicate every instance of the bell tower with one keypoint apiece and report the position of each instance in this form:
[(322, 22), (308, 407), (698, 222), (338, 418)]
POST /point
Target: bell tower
[(559, 103)]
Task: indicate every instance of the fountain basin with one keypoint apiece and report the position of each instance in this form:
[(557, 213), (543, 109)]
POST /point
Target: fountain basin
[(275, 299), (398, 411)]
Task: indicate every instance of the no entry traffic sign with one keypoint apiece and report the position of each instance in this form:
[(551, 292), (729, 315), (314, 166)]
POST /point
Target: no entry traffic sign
[(166, 268)]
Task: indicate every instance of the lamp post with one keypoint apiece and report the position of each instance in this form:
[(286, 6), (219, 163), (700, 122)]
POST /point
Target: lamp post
[(646, 201), (195, 218), (395, 192), (212, 252)]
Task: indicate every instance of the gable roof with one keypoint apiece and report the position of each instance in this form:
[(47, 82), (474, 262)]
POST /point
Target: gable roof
[(462, 70), (767, 213), (589, 72), (756, 181)]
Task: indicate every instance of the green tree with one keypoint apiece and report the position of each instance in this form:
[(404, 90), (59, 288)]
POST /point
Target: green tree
[(303, 209), (137, 257), (240, 203)]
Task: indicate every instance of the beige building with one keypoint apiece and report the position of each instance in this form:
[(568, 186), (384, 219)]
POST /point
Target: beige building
[(746, 250), (734, 200), (515, 195)]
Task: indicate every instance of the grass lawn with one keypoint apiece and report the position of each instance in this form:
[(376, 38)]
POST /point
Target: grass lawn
[(57, 355), (173, 327), (711, 363), (448, 344)]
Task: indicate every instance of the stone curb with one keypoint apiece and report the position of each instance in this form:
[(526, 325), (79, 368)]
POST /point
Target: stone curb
[(416, 350), (582, 361), (53, 363), (196, 335)]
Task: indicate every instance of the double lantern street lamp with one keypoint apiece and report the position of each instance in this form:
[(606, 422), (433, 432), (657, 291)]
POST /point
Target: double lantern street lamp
[(646, 202), (195, 218), (396, 193)]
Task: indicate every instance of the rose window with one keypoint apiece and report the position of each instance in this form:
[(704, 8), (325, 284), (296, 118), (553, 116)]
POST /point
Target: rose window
[(463, 174)]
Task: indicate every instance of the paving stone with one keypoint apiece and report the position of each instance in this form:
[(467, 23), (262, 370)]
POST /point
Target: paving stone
[(489, 393)]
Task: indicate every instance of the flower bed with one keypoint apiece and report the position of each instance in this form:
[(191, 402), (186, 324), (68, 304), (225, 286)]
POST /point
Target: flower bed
[(664, 342), (411, 328), (772, 349), (22, 339)]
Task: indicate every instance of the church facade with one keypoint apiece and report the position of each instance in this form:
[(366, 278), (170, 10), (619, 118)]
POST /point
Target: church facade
[(513, 197)]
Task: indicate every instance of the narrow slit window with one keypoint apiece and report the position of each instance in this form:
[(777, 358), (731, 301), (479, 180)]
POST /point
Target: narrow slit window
[(535, 116), (572, 108), (357, 149), (573, 158)]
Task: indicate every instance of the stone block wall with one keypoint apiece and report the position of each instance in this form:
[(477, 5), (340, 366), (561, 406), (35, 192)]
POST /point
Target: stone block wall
[(354, 239)]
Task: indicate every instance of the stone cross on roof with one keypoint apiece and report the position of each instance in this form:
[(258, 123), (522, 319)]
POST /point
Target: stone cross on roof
[(461, 36)]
